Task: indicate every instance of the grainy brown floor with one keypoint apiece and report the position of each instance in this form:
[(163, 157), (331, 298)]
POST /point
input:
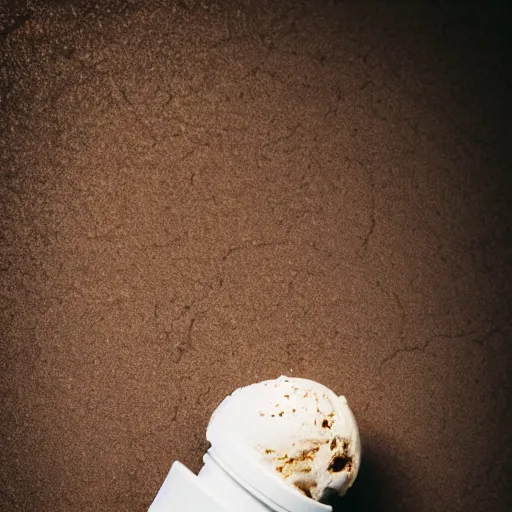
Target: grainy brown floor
[(200, 195)]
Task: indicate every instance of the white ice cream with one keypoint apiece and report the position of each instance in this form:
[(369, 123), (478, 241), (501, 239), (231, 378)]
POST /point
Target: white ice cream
[(297, 428)]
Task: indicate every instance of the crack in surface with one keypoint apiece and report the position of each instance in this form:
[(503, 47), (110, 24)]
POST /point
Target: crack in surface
[(404, 350), (331, 111), (282, 138), (185, 342), (203, 394), (364, 246), (401, 309), (402, 315), (479, 340)]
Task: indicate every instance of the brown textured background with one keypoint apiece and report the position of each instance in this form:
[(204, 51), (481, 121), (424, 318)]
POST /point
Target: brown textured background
[(199, 195)]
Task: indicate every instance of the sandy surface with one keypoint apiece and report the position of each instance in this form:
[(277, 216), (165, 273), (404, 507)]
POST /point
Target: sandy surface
[(202, 195)]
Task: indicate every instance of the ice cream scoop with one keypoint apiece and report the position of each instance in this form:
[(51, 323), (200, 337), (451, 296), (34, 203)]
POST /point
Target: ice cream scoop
[(297, 429), (283, 445)]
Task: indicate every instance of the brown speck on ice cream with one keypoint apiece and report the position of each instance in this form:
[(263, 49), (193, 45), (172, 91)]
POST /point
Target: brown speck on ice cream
[(305, 487), (339, 463)]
